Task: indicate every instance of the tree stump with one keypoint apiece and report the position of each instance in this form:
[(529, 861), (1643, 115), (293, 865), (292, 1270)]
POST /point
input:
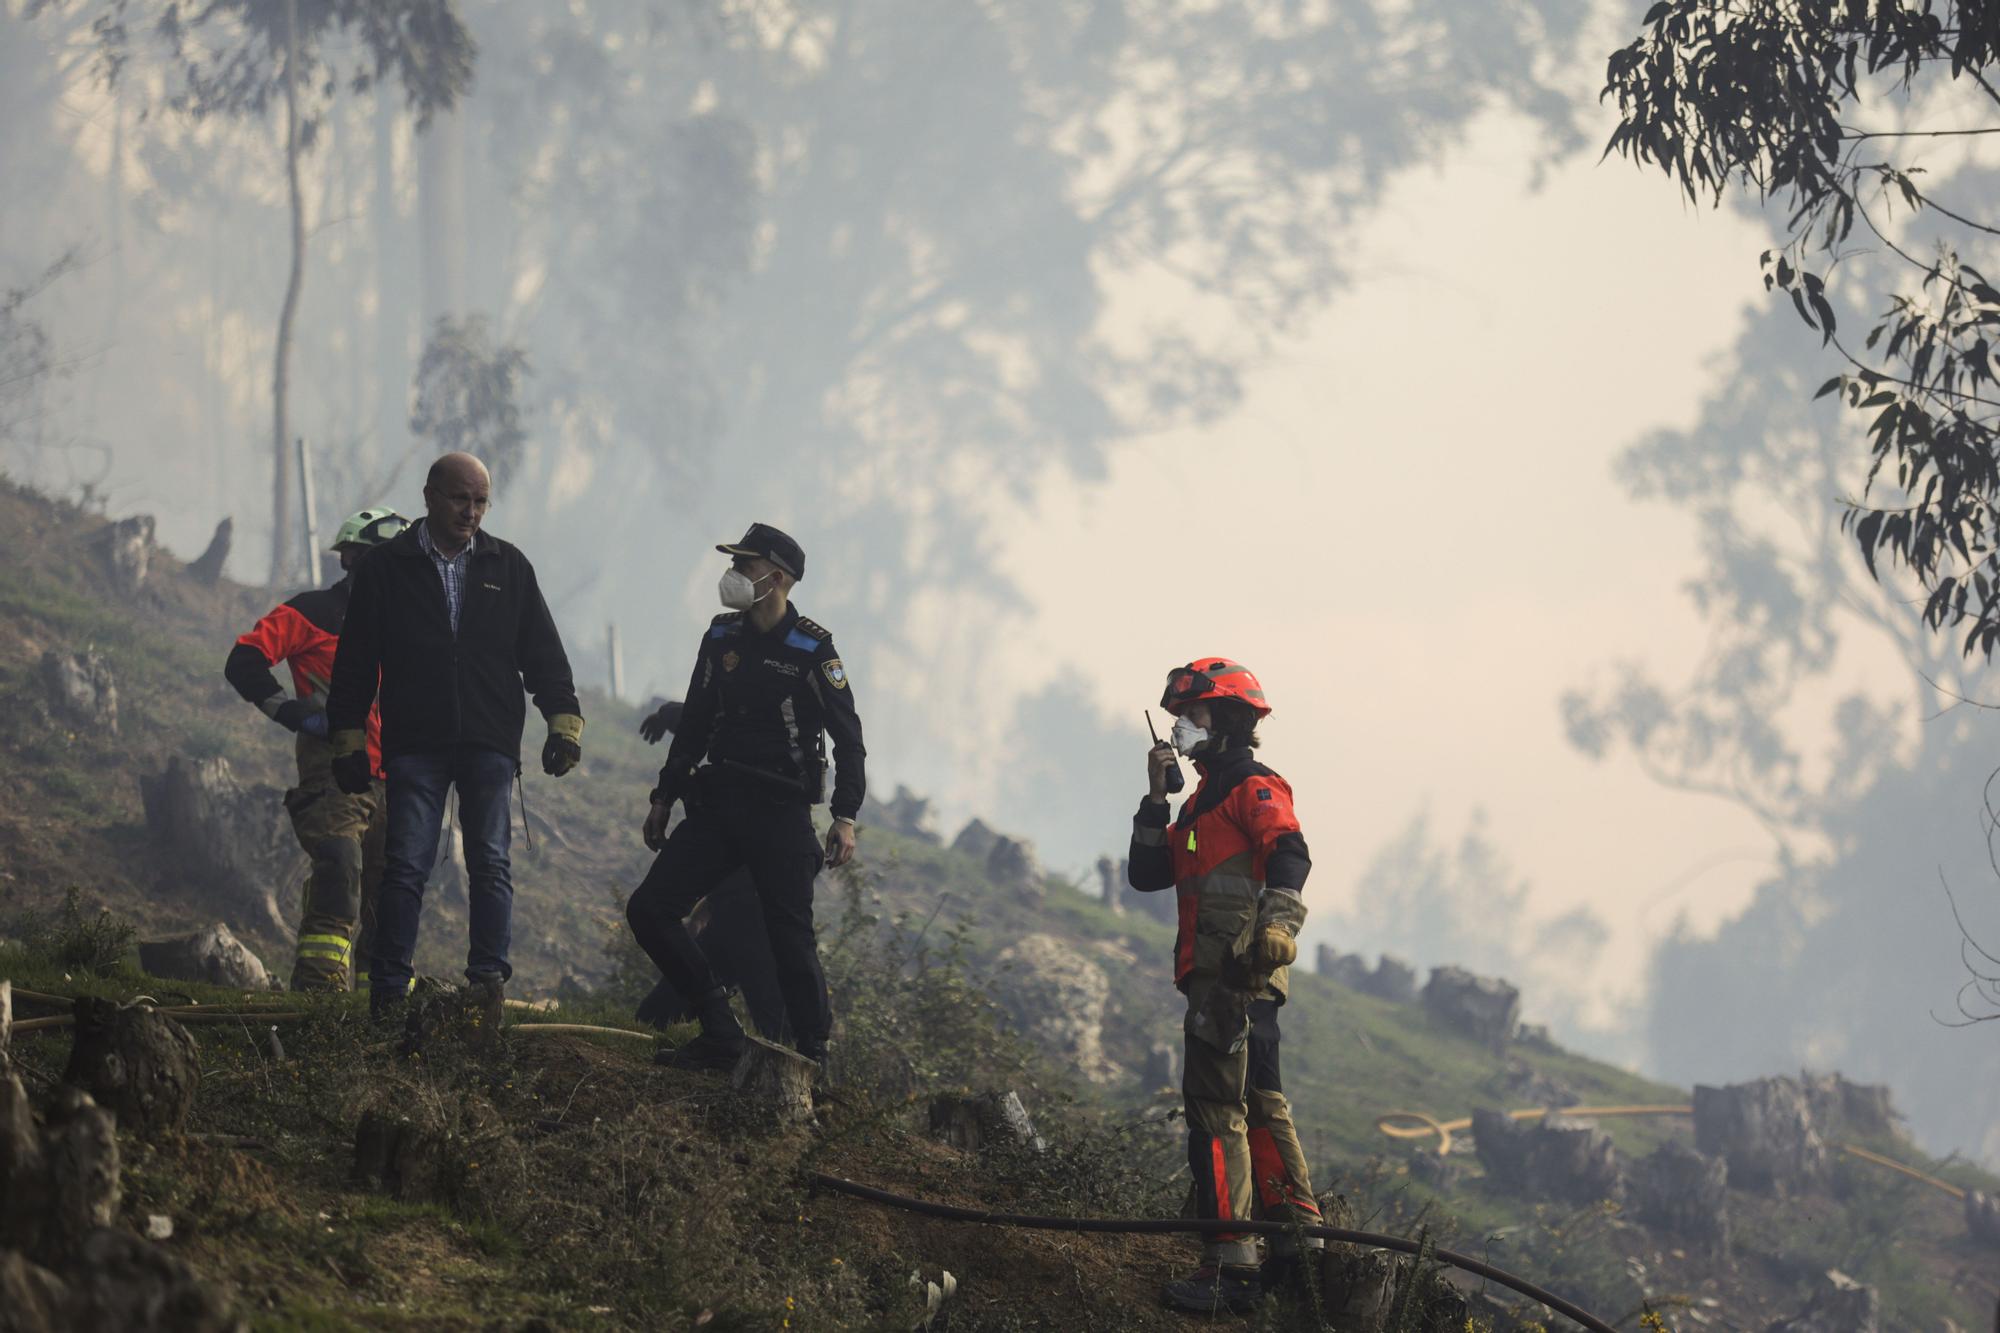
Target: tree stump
[(776, 1078), (231, 840), (119, 1280), (395, 1154), (207, 567), (140, 1065), (1486, 1009), (1982, 1217), (1682, 1191), (1360, 1285), (990, 1119), (24, 1177), (80, 1149), (128, 551), (975, 840), (1109, 881), (80, 687), (1765, 1129), (1011, 863), (1839, 1305), (32, 1299)]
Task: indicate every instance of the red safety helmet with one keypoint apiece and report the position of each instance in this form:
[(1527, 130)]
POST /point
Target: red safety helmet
[(1208, 678)]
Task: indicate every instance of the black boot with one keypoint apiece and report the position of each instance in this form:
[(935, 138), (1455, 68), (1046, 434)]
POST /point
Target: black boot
[(721, 1041), (1215, 1289)]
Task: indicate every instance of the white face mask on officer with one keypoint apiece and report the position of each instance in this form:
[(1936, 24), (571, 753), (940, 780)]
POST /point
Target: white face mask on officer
[(1188, 737), (739, 591)]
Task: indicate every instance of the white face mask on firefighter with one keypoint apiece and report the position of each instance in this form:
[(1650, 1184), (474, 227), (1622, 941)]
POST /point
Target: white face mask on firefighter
[(739, 591), (1188, 737)]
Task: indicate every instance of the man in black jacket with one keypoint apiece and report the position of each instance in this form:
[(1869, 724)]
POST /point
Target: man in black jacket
[(454, 623), (768, 684)]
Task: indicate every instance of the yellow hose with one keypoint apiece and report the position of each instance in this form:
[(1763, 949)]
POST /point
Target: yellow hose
[(577, 1027), (1419, 1125)]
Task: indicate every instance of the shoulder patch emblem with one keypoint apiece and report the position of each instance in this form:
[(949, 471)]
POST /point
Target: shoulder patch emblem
[(836, 673), (1263, 793), (729, 660)]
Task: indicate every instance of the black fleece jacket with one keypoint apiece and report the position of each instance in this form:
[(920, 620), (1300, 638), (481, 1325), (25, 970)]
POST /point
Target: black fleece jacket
[(440, 689)]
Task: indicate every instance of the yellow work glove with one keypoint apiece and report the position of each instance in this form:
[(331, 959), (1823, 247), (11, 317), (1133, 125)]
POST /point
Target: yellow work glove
[(1274, 948), (563, 750), (351, 771), (1280, 914)]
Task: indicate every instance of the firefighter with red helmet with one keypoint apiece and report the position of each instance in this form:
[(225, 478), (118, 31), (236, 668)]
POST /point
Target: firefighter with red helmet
[(1237, 861)]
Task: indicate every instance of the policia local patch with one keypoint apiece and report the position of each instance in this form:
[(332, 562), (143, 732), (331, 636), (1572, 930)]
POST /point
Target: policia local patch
[(836, 674)]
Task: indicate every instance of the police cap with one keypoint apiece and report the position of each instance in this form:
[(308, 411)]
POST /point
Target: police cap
[(765, 540)]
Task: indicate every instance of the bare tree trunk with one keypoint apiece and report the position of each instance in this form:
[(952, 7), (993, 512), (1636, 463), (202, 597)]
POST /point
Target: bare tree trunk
[(392, 309), (281, 454), (441, 196)]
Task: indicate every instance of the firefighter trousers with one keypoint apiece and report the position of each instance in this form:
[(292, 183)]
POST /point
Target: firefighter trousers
[(343, 835), (1243, 1149)]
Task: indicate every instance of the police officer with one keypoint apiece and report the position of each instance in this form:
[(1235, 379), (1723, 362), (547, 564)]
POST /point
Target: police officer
[(767, 686)]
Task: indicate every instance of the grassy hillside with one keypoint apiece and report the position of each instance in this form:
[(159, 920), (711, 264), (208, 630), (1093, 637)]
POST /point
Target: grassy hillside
[(595, 1190)]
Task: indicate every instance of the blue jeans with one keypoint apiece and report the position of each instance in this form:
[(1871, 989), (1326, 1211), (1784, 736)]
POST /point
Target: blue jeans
[(417, 786)]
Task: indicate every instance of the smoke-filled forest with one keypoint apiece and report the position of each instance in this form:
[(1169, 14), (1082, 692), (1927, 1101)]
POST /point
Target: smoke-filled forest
[(1578, 415)]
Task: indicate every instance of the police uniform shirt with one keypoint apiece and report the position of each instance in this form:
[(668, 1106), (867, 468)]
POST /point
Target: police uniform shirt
[(763, 700)]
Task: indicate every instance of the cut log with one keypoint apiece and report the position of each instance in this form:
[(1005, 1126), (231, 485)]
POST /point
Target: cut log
[(776, 1078), (140, 1065), (81, 689), (230, 839), (207, 567), (213, 955), (6, 1021)]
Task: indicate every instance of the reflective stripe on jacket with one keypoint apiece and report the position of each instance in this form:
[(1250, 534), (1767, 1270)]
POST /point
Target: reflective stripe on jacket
[(1235, 836)]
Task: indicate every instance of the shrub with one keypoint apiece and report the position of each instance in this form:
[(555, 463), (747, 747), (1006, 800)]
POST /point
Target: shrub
[(75, 940)]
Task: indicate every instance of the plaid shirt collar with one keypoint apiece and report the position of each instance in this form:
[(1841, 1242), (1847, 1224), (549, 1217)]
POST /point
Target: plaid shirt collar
[(451, 569)]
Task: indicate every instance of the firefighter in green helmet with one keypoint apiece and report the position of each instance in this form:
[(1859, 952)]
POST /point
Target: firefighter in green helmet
[(342, 833)]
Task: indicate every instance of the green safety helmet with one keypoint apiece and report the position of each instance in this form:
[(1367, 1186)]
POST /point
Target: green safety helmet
[(369, 527)]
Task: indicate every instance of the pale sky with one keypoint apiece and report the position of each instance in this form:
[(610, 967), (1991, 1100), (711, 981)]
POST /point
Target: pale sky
[(1439, 551)]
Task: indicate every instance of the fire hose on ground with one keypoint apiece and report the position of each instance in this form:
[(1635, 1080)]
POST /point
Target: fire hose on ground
[(1203, 1226), (1424, 1126)]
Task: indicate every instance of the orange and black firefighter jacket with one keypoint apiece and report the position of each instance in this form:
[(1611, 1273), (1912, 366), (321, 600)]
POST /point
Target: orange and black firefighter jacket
[(303, 633), (1234, 837)]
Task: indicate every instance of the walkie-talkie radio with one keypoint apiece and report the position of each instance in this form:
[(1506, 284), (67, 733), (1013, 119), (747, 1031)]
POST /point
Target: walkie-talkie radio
[(1175, 781)]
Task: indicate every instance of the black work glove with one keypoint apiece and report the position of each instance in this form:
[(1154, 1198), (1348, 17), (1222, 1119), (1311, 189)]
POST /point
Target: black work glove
[(351, 770), (302, 715), (563, 750), (664, 719)]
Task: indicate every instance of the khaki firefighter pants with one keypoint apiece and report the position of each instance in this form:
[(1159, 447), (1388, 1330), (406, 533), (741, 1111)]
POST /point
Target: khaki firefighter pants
[(343, 835), (1242, 1147)]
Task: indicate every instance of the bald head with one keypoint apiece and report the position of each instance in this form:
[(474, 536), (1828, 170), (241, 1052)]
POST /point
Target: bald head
[(456, 493)]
